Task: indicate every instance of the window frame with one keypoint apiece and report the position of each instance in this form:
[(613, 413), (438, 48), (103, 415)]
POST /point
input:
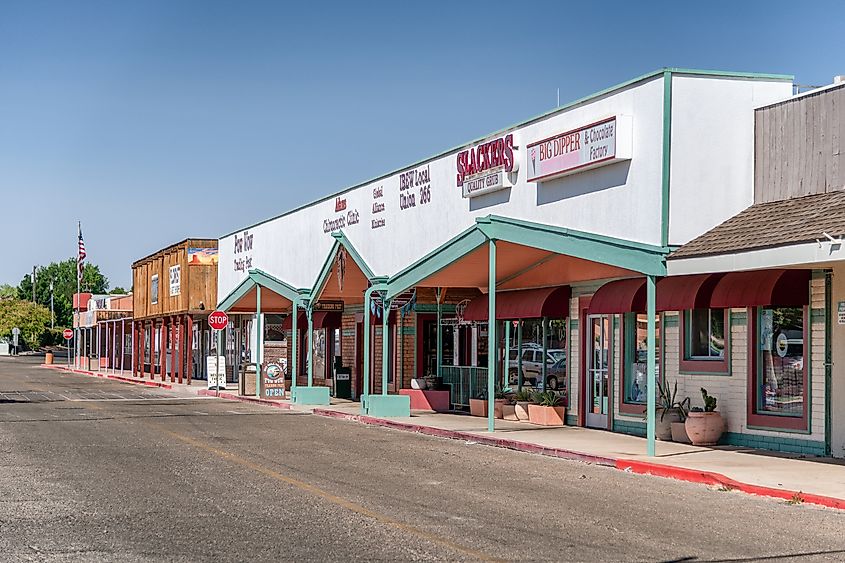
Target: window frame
[(627, 352), (154, 296), (768, 420), (701, 365)]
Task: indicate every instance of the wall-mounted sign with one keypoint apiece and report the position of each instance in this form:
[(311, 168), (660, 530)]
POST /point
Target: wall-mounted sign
[(333, 306), (202, 256), (840, 313), (154, 289), (487, 167), (345, 219), (175, 280), (243, 251), (415, 188), (594, 145), (272, 381)]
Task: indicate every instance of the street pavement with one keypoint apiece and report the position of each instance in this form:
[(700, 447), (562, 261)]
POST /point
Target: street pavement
[(96, 470)]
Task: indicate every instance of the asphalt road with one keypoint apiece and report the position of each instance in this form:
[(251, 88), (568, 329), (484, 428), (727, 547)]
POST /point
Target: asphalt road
[(95, 470)]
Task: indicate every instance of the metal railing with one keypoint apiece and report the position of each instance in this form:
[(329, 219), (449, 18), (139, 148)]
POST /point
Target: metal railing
[(465, 383)]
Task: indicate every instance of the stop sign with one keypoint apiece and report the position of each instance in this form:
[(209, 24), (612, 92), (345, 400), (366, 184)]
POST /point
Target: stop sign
[(218, 320), (67, 333)]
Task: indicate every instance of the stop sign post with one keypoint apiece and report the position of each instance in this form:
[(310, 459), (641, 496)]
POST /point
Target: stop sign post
[(218, 320)]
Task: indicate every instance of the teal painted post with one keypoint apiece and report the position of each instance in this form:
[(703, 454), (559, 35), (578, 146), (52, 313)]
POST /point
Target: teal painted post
[(217, 368), (519, 380), (310, 351), (366, 390), (544, 371), (294, 369), (491, 339), (652, 365), (259, 341), (506, 364), (385, 343), (439, 294)]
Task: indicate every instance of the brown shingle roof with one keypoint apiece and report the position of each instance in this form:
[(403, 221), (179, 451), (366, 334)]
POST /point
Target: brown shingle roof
[(766, 225)]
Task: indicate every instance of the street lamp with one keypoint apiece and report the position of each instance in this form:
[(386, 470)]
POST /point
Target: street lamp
[(52, 315)]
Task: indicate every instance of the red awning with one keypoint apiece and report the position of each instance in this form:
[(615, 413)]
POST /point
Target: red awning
[(550, 302), (679, 293), (622, 296), (321, 319), (760, 288)]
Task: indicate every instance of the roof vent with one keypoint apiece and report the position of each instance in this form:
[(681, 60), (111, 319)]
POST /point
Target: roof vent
[(839, 79)]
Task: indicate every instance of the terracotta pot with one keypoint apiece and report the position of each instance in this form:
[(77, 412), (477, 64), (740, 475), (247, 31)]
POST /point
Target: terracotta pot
[(497, 407), (478, 407), (522, 410), (509, 412), (546, 416), (48, 358), (679, 433), (704, 428), (663, 428)]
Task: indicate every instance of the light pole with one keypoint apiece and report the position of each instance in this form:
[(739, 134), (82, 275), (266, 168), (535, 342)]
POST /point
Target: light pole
[(52, 315)]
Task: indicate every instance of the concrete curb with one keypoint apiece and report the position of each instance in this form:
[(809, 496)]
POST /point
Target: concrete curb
[(244, 399), (114, 377)]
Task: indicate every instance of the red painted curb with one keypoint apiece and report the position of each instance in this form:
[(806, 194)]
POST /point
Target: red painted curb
[(712, 478), (468, 436), (120, 378), (243, 399)]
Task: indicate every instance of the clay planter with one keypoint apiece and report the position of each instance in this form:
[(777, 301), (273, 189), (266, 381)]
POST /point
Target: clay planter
[(521, 408), (704, 428), (663, 428), (546, 416), (509, 412), (478, 407), (679, 433), (497, 407), (48, 358)]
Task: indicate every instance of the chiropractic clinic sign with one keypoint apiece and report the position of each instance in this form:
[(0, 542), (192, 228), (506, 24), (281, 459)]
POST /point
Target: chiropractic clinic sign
[(594, 145), (487, 167)]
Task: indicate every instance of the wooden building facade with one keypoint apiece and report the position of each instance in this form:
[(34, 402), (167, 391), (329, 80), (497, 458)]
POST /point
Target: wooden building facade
[(174, 291)]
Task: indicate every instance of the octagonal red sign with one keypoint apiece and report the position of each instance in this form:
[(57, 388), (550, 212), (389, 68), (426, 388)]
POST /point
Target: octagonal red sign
[(218, 320)]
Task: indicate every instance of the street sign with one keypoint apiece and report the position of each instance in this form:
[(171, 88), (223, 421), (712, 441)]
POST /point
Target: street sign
[(218, 320), (68, 334)]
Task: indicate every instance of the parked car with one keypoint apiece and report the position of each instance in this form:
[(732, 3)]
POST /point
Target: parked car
[(532, 366)]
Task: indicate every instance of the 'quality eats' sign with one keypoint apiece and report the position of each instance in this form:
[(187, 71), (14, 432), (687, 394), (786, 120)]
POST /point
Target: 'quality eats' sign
[(487, 167)]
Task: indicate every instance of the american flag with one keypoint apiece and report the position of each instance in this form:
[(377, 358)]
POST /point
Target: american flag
[(80, 259)]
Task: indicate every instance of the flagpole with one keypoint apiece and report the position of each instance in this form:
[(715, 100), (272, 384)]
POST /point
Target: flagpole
[(78, 276)]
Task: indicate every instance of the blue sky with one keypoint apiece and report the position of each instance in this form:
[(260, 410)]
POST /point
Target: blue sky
[(154, 121)]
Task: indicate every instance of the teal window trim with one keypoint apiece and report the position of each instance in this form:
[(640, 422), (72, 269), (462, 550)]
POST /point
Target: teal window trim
[(701, 365)]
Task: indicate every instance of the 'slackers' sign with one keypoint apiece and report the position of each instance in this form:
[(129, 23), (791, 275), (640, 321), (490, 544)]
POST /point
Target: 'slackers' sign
[(485, 168)]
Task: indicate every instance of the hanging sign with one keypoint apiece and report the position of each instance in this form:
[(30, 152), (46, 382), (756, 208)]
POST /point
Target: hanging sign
[(590, 146), (330, 306), (840, 313)]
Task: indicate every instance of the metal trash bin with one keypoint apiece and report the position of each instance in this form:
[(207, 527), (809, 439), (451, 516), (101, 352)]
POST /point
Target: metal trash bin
[(343, 383)]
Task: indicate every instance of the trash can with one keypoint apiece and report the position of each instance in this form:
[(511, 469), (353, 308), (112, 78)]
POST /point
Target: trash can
[(343, 383)]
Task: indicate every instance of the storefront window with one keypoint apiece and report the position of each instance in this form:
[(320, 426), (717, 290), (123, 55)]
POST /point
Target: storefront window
[(319, 353), (532, 354), (780, 362), (705, 341), (273, 330), (636, 353)]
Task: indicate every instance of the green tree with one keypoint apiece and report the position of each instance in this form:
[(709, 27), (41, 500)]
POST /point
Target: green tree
[(117, 291), (63, 276), (33, 320), (8, 292)]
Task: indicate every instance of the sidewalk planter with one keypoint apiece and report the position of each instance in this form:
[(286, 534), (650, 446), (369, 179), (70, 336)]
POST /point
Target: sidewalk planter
[(704, 428), (521, 410), (48, 358), (497, 407), (509, 412), (679, 433), (478, 407), (546, 416), (663, 424)]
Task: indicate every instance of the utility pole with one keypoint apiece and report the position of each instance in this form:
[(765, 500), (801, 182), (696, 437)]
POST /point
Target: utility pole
[(33, 284), (52, 315)]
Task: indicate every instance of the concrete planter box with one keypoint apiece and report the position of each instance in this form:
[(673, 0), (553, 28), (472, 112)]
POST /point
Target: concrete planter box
[(478, 407), (546, 416)]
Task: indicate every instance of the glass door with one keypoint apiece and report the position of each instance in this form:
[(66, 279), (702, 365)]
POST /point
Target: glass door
[(598, 352)]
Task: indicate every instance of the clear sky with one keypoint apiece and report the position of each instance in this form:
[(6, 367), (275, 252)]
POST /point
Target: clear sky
[(153, 121)]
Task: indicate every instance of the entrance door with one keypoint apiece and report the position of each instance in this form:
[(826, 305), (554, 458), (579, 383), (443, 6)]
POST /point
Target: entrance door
[(598, 352)]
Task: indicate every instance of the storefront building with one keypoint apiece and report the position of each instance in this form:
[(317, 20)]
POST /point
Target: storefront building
[(561, 225), (174, 291), (781, 286), (104, 329)]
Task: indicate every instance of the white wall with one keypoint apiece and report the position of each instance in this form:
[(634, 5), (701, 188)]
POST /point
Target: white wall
[(712, 154)]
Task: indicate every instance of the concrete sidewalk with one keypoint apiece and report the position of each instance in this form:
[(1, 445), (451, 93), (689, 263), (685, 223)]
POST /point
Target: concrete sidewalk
[(787, 476)]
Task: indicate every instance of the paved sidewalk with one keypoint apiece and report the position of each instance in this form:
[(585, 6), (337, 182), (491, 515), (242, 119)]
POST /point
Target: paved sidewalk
[(787, 476)]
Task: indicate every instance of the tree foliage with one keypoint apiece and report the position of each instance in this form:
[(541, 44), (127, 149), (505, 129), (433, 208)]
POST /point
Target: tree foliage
[(33, 320), (8, 292), (63, 276)]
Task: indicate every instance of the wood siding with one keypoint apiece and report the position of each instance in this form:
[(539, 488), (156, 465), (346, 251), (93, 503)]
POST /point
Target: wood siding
[(799, 146), (197, 287)]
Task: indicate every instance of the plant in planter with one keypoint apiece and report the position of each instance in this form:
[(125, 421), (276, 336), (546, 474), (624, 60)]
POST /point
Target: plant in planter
[(499, 402), (670, 409), (679, 429), (704, 426), (522, 398), (546, 409)]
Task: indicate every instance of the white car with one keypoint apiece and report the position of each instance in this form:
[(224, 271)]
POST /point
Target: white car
[(532, 366)]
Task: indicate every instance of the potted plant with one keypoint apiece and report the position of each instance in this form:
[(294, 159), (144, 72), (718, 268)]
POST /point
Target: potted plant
[(546, 409), (522, 398), (679, 429), (499, 402), (478, 404), (670, 410), (704, 426)]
